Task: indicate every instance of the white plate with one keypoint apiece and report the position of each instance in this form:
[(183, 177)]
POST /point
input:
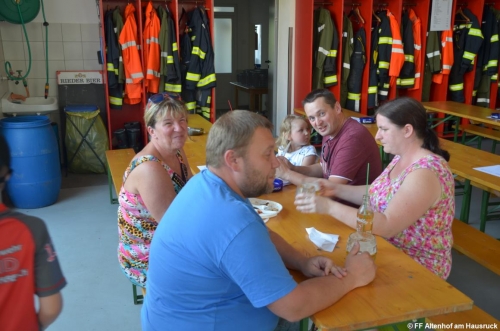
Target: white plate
[(266, 208)]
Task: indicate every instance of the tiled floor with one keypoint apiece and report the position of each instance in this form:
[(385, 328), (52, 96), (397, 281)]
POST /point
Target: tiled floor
[(98, 297)]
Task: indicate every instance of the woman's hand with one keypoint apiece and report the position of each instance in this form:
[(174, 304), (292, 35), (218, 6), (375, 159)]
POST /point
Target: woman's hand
[(308, 203), (327, 188)]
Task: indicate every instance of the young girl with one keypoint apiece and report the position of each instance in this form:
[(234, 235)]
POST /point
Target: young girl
[(293, 141)]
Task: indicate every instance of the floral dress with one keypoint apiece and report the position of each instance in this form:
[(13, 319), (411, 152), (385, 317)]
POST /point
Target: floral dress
[(429, 240), (136, 225)]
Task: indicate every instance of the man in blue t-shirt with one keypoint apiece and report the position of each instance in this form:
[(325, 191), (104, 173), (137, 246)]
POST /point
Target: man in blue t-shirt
[(213, 263)]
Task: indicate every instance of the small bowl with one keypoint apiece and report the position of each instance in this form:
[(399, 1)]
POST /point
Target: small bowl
[(195, 131)]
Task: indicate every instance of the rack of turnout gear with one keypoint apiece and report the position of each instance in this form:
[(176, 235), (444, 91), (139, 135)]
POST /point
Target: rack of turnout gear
[(373, 51), (150, 47)]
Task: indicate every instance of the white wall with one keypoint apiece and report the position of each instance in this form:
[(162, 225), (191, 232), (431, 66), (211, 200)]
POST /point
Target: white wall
[(73, 42), (286, 19), (69, 11)]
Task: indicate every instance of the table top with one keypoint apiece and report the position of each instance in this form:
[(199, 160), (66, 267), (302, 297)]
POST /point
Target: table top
[(261, 90), (475, 113), (402, 290)]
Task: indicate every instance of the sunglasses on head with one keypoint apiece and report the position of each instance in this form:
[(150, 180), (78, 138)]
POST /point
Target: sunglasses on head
[(159, 97)]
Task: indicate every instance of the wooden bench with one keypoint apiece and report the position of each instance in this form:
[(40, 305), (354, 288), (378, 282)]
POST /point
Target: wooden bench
[(118, 161), (483, 249), (481, 132)]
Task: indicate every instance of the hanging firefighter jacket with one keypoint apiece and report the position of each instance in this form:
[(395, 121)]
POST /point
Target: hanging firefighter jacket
[(170, 72), (406, 77), (446, 53), (373, 76), (115, 89), (417, 45), (131, 58), (330, 66), (487, 59), (494, 78), (358, 60), (322, 41), (467, 39), (384, 55), (151, 49), (347, 47), (397, 52), (118, 24), (201, 72)]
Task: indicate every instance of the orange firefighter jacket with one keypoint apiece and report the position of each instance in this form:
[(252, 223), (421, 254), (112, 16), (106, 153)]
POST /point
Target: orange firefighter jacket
[(417, 43), (397, 55), (446, 56), (131, 58), (151, 49)]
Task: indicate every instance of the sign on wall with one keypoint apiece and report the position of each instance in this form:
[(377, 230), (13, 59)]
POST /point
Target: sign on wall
[(79, 77), (441, 15)]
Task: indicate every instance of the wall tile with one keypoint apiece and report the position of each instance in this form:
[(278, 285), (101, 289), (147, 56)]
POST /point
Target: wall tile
[(56, 50), (55, 32), (90, 32), (1, 52), (34, 31), (37, 87), (13, 50), (91, 65), (73, 51), (55, 66), (37, 69), (71, 32), (90, 50), (11, 32), (37, 50), (18, 89), (74, 64), (4, 88)]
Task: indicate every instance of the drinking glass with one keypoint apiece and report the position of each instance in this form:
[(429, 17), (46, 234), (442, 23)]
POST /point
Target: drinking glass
[(367, 243), (307, 189)]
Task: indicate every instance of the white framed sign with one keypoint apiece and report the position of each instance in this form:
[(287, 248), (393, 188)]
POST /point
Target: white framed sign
[(79, 77)]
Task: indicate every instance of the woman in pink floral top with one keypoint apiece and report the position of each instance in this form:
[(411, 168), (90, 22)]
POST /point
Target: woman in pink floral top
[(414, 197)]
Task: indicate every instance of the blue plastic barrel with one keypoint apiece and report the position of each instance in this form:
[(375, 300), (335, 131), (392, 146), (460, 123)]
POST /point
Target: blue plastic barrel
[(36, 174)]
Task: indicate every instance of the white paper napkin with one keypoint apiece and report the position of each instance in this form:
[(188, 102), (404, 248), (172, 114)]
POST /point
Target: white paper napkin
[(325, 241)]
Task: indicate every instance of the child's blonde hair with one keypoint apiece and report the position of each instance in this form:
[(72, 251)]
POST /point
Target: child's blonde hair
[(286, 128)]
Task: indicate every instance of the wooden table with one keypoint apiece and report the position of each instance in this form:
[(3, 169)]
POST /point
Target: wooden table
[(402, 290), (456, 110), (253, 91)]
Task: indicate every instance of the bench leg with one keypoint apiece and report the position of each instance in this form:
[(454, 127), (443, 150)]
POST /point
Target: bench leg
[(138, 298), (304, 324), (110, 185), (464, 213)]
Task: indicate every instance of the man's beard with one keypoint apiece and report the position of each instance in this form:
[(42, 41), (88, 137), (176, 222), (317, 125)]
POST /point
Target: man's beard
[(255, 185)]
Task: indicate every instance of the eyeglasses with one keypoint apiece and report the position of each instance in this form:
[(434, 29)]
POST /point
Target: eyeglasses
[(2, 179), (159, 97)]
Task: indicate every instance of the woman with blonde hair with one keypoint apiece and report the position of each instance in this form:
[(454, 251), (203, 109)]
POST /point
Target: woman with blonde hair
[(151, 182)]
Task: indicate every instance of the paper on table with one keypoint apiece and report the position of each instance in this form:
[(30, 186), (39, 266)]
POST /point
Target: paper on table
[(202, 167), (325, 241), (492, 170)]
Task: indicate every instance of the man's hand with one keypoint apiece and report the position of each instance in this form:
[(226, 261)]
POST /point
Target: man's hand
[(307, 203), (283, 170), (327, 188), (318, 266), (361, 266)]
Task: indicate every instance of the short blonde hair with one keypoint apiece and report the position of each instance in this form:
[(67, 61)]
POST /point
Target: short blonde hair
[(286, 129), (155, 112), (233, 131)]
